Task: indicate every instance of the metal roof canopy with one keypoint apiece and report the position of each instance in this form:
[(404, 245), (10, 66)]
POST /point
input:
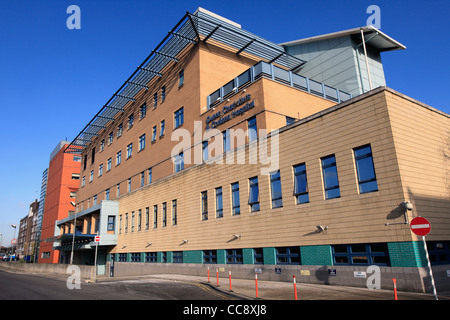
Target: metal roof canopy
[(187, 31), (381, 41)]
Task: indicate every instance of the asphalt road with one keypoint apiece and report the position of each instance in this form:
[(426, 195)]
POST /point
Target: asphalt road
[(17, 286)]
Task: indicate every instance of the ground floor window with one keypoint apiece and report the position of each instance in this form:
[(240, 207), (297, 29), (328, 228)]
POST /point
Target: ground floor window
[(209, 256), (234, 256), (288, 255), (439, 252), (135, 257), (151, 257), (361, 254), (177, 257)]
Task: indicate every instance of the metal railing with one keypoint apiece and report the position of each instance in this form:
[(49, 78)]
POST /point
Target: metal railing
[(264, 69)]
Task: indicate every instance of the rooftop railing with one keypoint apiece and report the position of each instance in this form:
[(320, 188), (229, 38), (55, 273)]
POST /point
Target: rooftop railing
[(264, 69)]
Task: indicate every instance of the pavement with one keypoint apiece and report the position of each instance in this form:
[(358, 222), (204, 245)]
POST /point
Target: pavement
[(242, 289)]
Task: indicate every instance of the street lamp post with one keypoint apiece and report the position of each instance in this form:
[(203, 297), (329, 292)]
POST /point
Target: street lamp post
[(12, 249)]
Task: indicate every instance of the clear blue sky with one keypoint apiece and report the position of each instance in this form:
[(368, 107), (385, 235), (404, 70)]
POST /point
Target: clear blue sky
[(54, 80)]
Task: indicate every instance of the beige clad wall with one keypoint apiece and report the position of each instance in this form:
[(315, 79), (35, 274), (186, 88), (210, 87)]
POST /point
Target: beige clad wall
[(422, 140), (353, 218)]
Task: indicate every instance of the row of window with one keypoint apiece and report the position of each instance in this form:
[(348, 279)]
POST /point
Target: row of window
[(178, 121), (353, 254), (136, 221), (365, 172)]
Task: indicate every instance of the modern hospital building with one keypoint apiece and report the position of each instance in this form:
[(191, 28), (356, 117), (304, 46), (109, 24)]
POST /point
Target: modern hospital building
[(224, 150)]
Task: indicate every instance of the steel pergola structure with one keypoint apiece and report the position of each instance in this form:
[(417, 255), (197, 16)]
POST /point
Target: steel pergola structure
[(190, 30)]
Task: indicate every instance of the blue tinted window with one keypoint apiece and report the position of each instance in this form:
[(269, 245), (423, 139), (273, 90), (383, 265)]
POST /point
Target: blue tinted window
[(300, 184), (330, 177), (365, 170), (275, 185)]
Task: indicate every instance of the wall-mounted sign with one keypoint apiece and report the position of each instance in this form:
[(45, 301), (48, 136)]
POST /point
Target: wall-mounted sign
[(332, 272), (230, 111)]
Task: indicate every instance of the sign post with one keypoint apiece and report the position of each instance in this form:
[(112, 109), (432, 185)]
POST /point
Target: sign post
[(421, 227), (97, 240)]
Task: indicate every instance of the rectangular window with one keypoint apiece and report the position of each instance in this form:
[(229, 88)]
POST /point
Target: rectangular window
[(164, 214), (234, 256), (151, 257), (288, 255), (205, 205), (235, 202), (179, 117), (174, 212), (111, 223), (147, 218), (93, 156), (107, 194), (75, 176), (118, 190), (118, 158), (258, 255), (142, 142), (139, 219), (155, 99), (205, 150), (226, 140), (126, 222), (120, 225), (142, 178), (102, 145), (253, 199), (177, 257), (300, 184), (162, 128), (95, 200), (83, 182), (365, 169), (132, 221), (219, 203), (129, 184), (150, 174), (122, 257), (154, 134), (100, 170), (275, 186), (119, 130), (91, 176), (129, 150), (361, 254), (143, 111), (108, 164), (181, 78), (330, 177), (252, 129), (130, 121), (209, 256), (135, 257), (155, 216), (110, 139), (179, 162)]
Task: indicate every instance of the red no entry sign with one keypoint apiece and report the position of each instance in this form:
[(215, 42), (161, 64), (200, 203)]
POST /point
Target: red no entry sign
[(420, 226), (97, 238)]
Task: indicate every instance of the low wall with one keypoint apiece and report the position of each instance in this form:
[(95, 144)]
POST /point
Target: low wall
[(87, 272), (408, 279)]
